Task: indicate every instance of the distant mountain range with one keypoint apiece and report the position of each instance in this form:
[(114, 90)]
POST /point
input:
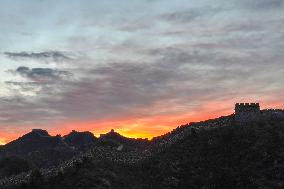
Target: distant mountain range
[(45, 150), (217, 153), (39, 139)]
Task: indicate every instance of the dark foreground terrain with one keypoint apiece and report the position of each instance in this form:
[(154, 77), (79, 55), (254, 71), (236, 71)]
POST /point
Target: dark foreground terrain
[(213, 154)]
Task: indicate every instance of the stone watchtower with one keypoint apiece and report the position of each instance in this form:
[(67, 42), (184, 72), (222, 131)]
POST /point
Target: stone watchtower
[(247, 112)]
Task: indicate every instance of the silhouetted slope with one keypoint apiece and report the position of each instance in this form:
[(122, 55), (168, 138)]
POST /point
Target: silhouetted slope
[(214, 157), (37, 140), (229, 157), (114, 139), (13, 165), (38, 148)]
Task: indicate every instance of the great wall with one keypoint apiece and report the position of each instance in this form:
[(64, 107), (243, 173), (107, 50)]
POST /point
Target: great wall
[(244, 112)]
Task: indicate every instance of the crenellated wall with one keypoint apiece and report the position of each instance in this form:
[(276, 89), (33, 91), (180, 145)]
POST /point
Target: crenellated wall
[(247, 112)]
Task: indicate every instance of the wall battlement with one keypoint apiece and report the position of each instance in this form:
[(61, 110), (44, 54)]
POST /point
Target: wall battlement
[(247, 104), (247, 112)]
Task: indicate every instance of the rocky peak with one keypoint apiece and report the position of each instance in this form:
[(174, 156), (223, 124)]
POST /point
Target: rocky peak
[(79, 139)]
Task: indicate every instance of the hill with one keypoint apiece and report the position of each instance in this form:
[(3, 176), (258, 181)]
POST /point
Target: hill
[(38, 148), (80, 140), (114, 139), (212, 154), (36, 140)]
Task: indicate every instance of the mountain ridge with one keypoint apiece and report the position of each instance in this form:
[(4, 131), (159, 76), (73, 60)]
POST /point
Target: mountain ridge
[(222, 129)]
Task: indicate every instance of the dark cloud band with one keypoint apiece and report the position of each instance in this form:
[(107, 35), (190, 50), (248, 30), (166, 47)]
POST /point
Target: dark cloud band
[(43, 74), (54, 55)]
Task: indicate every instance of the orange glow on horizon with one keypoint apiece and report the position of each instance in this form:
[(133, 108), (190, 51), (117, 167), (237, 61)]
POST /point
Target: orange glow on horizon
[(136, 127), (2, 142), (148, 127), (5, 139)]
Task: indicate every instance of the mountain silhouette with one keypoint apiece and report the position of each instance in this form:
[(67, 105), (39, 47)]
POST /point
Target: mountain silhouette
[(216, 154), (80, 139), (39, 148), (115, 139), (36, 140)]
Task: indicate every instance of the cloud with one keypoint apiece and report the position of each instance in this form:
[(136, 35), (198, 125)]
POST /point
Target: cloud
[(24, 87), (38, 81), (263, 4), (23, 111), (120, 89), (42, 74), (165, 60), (45, 56), (183, 17), (189, 15), (179, 79), (108, 91)]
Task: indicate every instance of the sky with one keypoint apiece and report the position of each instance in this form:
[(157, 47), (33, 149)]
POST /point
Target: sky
[(141, 67)]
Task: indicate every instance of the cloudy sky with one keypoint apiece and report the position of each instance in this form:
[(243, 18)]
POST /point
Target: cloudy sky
[(141, 67)]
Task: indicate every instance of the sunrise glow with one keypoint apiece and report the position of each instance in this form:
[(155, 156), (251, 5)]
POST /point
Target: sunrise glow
[(135, 127), (139, 67)]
